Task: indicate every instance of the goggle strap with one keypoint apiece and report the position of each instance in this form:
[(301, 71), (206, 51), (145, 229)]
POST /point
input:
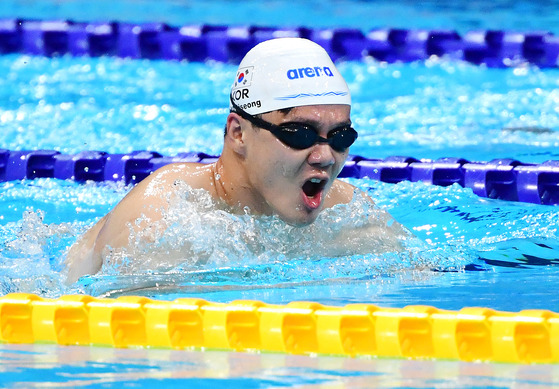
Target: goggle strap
[(251, 118)]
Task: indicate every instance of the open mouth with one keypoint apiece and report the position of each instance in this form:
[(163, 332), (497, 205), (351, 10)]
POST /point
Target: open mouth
[(313, 187)]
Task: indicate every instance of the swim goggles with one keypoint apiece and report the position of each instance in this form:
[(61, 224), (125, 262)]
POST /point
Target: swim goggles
[(301, 136)]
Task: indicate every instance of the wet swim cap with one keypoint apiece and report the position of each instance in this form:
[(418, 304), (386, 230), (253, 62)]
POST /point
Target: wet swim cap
[(287, 72)]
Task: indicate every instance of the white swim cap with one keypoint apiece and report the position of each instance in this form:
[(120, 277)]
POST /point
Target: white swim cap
[(287, 72)]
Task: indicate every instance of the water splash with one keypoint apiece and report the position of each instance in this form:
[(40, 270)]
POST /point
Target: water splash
[(206, 246), (512, 233), (26, 263)]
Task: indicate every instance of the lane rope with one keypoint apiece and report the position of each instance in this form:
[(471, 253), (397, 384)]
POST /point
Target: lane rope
[(504, 179), (493, 48), (417, 332)]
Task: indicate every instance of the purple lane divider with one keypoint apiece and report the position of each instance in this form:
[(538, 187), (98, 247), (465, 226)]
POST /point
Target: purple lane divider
[(84, 166), (130, 168), (495, 179), (224, 43), (441, 172), (538, 184), (503, 179), (29, 164)]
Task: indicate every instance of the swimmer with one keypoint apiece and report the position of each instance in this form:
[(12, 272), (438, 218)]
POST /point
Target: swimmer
[(287, 137)]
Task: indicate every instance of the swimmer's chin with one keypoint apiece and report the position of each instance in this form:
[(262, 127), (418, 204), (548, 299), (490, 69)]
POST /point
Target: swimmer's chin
[(300, 221), (299, 224)]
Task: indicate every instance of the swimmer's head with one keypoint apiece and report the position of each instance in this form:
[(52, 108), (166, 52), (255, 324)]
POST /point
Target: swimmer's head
[(285, 73)]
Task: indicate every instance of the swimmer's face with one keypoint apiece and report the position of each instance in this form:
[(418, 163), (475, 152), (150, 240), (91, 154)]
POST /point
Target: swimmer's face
[(295, 183)]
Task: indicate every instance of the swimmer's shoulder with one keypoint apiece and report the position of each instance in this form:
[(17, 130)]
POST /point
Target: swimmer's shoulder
[(151, 194), (341, 193), (196, 175)]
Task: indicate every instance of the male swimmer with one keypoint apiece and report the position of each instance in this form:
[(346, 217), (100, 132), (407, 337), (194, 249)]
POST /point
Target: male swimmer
[(287, 137)]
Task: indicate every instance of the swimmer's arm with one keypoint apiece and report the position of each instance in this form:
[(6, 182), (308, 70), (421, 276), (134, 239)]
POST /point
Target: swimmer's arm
[(140, 210), (385, 234), (113, 231), (80, 259), (143, 208)]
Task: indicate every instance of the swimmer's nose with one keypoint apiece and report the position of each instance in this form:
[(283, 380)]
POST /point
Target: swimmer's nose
[(321, 155)]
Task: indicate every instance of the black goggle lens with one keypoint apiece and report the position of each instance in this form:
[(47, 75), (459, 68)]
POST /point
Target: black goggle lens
[(300, 136)]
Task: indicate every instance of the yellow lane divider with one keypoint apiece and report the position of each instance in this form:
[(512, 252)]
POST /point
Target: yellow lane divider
[(471, 334)]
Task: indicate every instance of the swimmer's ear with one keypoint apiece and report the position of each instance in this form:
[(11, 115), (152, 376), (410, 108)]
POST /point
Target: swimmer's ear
[(235, 134)]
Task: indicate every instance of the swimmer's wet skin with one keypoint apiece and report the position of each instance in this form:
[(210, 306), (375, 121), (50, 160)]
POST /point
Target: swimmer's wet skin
[(287, 137)]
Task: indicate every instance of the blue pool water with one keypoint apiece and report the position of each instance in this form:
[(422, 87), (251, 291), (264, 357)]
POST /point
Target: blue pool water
[(471, 251), (427, 110)]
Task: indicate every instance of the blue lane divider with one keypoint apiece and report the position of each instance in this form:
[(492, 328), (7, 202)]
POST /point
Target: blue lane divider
[(223, 43), (504, 179)]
